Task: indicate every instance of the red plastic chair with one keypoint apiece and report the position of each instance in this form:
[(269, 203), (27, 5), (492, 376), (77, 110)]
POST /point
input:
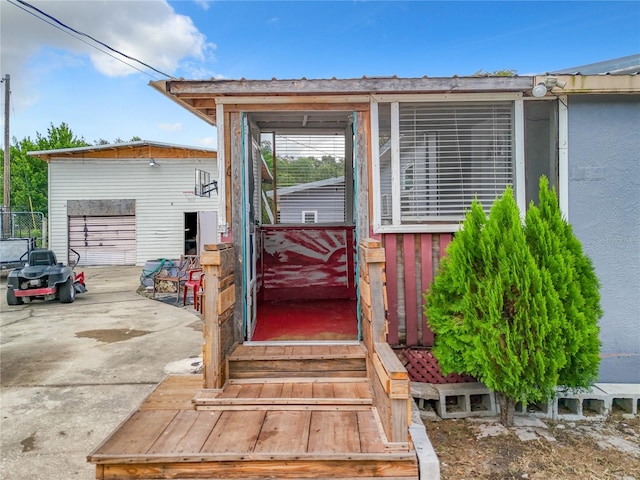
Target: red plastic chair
[(193, 282)]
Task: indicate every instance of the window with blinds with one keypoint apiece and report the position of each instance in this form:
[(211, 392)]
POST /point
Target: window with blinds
[(448, 154)]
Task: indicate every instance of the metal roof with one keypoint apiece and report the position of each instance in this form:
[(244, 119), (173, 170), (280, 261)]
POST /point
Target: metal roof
[(307, 186), (629, 65), (116, 146)]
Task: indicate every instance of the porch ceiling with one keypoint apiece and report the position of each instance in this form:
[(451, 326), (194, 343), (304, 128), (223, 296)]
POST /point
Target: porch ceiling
[(302, 121)]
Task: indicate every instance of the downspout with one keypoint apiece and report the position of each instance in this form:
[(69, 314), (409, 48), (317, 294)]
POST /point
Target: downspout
[(563, 156)]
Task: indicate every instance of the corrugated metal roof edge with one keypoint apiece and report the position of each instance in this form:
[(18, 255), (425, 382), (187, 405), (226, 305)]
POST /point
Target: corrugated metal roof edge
[(307, 186), (629, 65)]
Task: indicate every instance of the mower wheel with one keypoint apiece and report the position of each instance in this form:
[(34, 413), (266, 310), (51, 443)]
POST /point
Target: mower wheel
[(67, 292), (12, 299)]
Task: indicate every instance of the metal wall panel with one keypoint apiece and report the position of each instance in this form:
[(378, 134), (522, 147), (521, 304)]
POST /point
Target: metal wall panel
[(162, 195)]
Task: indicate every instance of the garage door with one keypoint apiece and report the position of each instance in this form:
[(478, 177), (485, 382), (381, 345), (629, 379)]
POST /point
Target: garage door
[(108, 240)]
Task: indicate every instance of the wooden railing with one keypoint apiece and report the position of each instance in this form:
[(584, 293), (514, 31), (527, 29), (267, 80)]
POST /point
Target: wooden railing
[(217, 263), (388, 377)]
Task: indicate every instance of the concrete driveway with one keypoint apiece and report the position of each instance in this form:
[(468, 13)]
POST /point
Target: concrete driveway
[(70, 373)]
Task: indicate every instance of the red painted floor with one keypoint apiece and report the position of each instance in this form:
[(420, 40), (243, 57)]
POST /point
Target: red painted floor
[(307, 320)]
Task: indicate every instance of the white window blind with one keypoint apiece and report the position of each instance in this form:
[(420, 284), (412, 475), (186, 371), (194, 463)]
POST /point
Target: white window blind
[(449, 154)]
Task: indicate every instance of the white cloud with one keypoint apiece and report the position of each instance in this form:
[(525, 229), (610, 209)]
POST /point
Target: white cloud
[(204, 4), (209, 142), (170, 127), (149, 30)]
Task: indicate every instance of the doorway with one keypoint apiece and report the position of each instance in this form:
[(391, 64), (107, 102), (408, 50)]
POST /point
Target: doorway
[(200, 229), (300, 284)]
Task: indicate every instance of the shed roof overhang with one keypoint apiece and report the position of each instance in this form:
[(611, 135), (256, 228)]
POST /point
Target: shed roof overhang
[(135, 149), (203, 96)]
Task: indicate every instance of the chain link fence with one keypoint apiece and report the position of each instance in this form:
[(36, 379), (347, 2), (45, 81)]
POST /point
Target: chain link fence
[(23, 225)]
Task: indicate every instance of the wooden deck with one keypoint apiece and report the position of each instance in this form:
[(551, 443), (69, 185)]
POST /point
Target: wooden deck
[(285, 412)]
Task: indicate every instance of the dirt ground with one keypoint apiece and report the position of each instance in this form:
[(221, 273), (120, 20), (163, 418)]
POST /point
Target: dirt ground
[(587, 450)]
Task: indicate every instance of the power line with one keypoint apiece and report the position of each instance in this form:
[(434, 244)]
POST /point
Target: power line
[(67, 29), (81, 40)]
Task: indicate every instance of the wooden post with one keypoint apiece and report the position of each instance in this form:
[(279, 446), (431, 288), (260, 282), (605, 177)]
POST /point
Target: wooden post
[(388, 377), (217, 262), (372, 290)]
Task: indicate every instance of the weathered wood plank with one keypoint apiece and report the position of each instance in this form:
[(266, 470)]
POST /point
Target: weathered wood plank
[(230, 391), (193, 441), (323, 390), (337, 89), (217, 246), (302, 390), (284, 432), (138, 434), (235, 431), (410, 293), (365, 293), (292, 380), (370, 441), (392, 287), (175, 432), (269, 405), (285, 403), (226, 299), (175, 392), (271, 390), (333, 432), (365, 469), (426, 257), (250, 391), (392, 364)]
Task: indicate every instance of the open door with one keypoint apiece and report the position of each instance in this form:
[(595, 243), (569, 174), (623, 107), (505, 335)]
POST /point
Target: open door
[(251, 205), (299, 234)]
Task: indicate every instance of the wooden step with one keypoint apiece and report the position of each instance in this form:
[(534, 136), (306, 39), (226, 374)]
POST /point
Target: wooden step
[(306, 393), (298, 361), (167, 439), (251, 444)]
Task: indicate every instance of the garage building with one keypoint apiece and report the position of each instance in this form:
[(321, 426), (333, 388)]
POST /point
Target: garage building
[(128, 203)]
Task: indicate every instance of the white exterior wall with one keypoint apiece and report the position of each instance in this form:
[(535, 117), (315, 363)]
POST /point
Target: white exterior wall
[(158, 192)]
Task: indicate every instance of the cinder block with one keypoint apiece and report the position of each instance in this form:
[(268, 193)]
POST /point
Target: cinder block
[(423, 393), (625, 397), (461, 400), (591, 404), (537, 409)]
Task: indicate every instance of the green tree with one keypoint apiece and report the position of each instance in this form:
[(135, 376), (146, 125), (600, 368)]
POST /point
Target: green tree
[(556, 248), (494, 311), (29, 178)]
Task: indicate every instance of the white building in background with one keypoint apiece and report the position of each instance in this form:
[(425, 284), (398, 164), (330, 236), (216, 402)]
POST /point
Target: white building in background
[(127, 203)]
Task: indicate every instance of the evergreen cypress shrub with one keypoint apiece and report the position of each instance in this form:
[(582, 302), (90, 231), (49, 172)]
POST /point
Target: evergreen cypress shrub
[(506, 308), (556, 248)]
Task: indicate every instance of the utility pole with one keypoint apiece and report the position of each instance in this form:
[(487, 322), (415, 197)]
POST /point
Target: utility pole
[(6, 223)]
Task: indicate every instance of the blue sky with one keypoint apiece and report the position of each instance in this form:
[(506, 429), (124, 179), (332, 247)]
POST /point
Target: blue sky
[(58, 78)]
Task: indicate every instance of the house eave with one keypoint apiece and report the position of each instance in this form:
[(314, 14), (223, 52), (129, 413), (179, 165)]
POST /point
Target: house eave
[(594, 84), (202, 96)]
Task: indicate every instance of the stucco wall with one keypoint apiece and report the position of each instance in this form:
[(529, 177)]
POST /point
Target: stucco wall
[(604, 209)]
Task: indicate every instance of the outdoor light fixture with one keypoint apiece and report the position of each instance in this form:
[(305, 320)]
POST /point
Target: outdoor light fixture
[(552, 82), (152, 163), (541, 89)]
